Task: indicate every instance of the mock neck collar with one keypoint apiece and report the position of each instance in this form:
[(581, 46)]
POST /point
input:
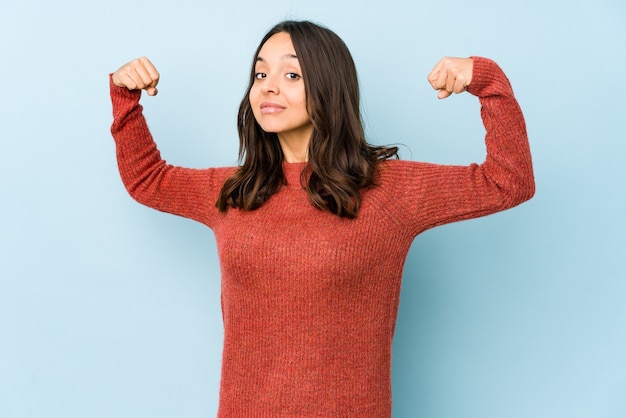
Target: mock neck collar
[(293, 171)]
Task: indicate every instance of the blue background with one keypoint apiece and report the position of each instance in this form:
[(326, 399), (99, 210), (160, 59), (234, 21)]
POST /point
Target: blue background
[(108, 308)]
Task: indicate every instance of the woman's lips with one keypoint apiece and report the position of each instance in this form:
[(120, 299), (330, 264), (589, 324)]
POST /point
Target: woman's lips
[(271, 107)]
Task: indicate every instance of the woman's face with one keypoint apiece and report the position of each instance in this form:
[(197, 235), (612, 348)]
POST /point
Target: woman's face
[(277, 96)]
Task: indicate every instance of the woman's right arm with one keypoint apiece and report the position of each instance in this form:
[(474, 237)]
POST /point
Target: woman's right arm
[(186, 192)]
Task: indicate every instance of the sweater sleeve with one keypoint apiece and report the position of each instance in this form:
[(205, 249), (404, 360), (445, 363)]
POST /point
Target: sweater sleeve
[(440, 194), (186, 192)]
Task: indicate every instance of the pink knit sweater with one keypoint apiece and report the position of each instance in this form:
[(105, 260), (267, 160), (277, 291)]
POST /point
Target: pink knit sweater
[(309, 300)]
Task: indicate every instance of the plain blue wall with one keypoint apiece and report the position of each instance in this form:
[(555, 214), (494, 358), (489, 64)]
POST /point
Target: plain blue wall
[(109, 309)]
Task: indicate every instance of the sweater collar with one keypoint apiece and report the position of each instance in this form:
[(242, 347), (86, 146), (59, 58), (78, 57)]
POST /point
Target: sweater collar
[(292, 172)]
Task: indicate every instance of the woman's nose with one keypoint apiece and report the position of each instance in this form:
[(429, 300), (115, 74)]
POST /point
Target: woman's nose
[(271, 84)]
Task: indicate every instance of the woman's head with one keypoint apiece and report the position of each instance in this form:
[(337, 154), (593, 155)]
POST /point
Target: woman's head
[(340, 161), (328, 74)]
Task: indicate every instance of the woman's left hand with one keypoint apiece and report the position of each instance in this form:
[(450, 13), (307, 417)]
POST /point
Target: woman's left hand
[(451, 75)]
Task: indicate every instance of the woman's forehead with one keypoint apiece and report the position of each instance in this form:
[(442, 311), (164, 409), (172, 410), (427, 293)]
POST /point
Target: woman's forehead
[(278, 46)]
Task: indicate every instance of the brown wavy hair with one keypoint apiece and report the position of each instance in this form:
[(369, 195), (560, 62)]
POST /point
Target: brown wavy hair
[(340, 161)]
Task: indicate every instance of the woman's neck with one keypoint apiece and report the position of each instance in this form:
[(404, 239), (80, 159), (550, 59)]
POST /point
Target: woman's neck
[(295, 148)]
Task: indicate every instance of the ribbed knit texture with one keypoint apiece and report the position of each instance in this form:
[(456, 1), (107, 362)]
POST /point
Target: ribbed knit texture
[(310, 300)]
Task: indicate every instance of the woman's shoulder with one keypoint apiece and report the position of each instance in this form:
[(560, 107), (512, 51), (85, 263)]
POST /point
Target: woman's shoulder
[(219, 175), (392, 174), (395, 175), (223, 171), (398, 168)]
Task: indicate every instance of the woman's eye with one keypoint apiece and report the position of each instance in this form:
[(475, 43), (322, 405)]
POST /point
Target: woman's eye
[(293, 76), (259, 76)]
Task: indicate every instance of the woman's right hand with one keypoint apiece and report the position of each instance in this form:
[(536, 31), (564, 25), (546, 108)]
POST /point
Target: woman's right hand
[(140, 73)]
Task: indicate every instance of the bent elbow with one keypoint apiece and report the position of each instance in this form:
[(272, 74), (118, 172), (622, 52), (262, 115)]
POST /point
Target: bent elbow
[(518, 192)]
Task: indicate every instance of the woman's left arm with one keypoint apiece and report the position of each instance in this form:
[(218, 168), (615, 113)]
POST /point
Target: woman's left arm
[(505, 179)]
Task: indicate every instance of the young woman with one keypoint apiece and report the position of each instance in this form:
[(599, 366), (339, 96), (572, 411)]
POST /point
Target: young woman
[(314, 226)]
